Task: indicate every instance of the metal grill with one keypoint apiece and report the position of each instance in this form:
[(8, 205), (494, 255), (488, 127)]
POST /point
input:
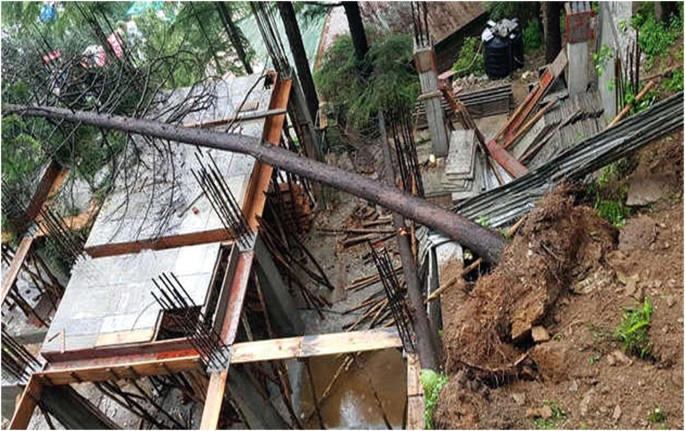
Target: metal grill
[(222, 200), (185, 314), (17, 361)]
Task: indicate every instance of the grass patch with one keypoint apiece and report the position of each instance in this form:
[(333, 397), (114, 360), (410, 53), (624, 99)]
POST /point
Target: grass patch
[(432, 383), (610, 194), (558, 414), (633, 333), (657, 416)]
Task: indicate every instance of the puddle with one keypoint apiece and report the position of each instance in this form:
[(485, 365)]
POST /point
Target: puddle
[(351, 403)]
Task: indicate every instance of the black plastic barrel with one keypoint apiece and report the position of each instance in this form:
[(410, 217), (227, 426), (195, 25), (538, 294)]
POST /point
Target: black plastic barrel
[(502, 55)]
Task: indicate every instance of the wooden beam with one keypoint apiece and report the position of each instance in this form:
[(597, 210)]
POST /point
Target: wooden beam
[(182, 240), (213, 403), (134, 369), (49, 184), (156, 363), (315, 345), (16, 265), (415, 399), (27, 403)]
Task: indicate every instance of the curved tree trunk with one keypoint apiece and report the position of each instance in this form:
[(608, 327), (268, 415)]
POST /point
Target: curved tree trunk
[(480, 240)]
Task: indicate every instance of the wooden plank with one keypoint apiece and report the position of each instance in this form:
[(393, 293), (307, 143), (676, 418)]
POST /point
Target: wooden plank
[(182, 240), (48, 186), (315, 345), (414, 386), (415, 399), (153, 366), (16, 264), (114, 353), (27, 403), (212, 408)]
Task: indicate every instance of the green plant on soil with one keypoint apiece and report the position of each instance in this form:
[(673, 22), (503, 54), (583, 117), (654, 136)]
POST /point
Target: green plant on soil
[(550, 423), (674, 83), (470, 59), (657, 416), (633, 332), (432, 383), (656, 37), (610, 195)]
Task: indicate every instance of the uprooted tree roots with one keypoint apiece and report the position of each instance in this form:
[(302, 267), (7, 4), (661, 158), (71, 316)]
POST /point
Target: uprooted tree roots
[(490, 329)]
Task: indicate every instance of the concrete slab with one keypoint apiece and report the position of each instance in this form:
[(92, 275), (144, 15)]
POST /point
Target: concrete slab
[(163, 198), (112, 295)]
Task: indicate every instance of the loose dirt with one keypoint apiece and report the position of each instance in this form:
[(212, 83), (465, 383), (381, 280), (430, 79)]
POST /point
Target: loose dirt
[(571, 273)]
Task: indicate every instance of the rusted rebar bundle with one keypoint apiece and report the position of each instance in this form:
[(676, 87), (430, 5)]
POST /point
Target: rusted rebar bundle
[(405, 150), (394, 294), (187, 316), (17, 361), (221, 198), (68, 243), (419, 15)]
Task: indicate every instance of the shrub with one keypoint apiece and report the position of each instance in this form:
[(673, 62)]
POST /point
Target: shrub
[(432, 383), (470, 59), (633, 332)]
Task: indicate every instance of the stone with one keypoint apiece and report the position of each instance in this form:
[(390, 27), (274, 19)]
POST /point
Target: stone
[(574, 386), (546, 412), (585, 403), (644, 191), (519, 399), (540, 334), (461, 377), (670, 301), (621, 358)]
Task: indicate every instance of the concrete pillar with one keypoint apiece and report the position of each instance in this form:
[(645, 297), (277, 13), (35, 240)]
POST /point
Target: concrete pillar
[(285, 318), (424, 59), (578, 33), (257, 411), (72, 410)]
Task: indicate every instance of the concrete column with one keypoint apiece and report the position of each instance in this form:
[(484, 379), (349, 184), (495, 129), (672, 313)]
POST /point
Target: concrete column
[(578, 33), (257, 411), (424, 59), (285, 318)]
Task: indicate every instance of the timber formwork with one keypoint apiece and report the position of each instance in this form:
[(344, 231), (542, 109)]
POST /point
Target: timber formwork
[(131, 355)]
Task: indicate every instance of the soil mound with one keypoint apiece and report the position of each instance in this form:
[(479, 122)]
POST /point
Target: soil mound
[(556, 249)]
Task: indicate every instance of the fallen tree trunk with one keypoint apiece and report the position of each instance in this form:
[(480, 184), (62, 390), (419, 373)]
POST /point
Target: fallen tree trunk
[(484, 242)]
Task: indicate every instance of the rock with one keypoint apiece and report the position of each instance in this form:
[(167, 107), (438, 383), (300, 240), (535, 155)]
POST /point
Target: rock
[(519, 399), (461, 377), (670, 301), (611, 360), (546, 412), (585, 403), (552, 360), (621, 357), (631, 285), (574, 386), (540, 334), (644, 191)]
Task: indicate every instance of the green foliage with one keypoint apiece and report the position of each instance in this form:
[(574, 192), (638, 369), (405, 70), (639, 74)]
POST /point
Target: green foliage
[(470, 58), (391, 85), (609, 197), (633, 332), (432, 383), (593, 359), (657, 416), (656, 37), (483, 221), (532, 37), (674, 82), (525, 11), (600, 58), (550, 423)]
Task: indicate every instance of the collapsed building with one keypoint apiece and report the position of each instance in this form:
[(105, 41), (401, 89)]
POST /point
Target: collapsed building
[(181, 284)]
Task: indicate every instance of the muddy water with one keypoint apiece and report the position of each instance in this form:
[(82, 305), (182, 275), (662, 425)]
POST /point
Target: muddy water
[(351, 403)]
